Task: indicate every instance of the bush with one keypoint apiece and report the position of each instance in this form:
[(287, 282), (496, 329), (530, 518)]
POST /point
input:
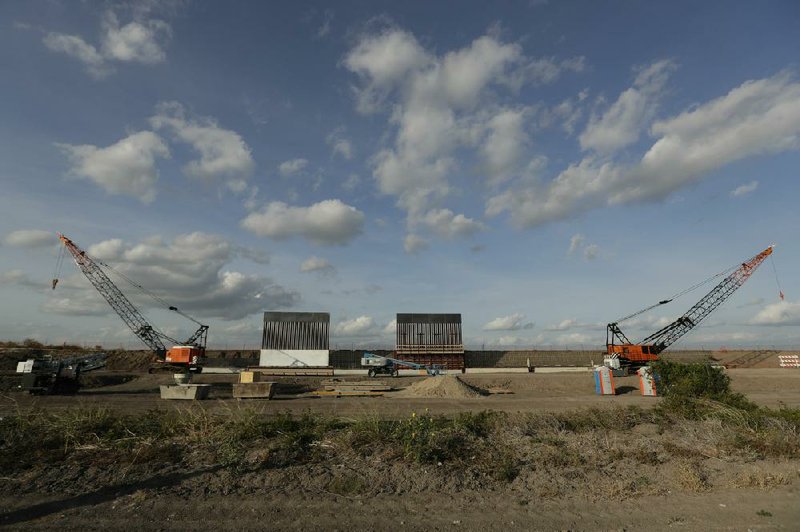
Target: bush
[(694, 390)]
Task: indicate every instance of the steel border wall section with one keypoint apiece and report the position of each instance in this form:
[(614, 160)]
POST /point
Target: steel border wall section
[(296, 330)]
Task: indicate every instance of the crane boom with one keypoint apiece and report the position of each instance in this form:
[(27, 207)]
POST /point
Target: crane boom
[(121, 305), (648, 349), (186, 353)]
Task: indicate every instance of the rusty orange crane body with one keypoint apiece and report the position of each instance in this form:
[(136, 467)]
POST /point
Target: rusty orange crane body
[(640, 354)]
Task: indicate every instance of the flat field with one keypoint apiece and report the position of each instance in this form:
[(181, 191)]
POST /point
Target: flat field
[(542, 452)]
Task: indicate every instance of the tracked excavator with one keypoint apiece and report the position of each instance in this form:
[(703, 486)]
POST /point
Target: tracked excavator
[(181, 357), (634, 355)]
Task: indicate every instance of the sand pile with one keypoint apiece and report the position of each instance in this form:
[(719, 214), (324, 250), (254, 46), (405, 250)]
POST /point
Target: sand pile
[(447, 386)]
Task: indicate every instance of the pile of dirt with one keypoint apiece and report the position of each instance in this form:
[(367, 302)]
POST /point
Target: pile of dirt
[(447, 386)]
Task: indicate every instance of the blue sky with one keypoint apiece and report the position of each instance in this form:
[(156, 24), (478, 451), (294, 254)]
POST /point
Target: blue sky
[(540, 167)]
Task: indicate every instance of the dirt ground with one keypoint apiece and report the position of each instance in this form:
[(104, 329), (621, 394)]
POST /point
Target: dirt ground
[(529, 392), (126, 496)]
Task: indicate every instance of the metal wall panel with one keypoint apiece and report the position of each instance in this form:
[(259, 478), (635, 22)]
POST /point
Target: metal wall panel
[(429, 334), (296, 330)]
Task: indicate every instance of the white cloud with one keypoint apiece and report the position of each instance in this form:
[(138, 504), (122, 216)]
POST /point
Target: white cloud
[(316, 264), (327, 222), (442, 103), (505, 144), (340, 145), (291, 167), (191, 272), (140, 41), (622, 123), (361, 326), (447, 224), (564, 325), (382, 61), (508, 323), (390, 328), (782, 313), (758, 117), (590, 252), (576, 339), (743, 190), (223, 153), (30, 238), (413, 244), (127, 167), (575, 243), (351, 182), (76, 47)]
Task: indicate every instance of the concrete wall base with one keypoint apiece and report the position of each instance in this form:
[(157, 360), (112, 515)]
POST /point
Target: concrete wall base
[(254, 390), (185, 391)]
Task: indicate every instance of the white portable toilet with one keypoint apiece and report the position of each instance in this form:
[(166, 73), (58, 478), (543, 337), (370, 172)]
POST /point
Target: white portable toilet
[(647, 381), (604, 381)]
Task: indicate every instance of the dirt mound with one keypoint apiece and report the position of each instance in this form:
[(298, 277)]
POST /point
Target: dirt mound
[(447, 386)]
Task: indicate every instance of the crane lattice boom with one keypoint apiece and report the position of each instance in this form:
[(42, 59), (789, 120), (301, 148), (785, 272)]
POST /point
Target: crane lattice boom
[(648, 349), (186, 353)]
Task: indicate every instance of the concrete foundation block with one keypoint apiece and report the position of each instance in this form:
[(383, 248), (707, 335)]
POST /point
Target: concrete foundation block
[(185, 391), (254, 390)]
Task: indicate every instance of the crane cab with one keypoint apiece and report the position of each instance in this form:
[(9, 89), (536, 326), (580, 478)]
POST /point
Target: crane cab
[(184, 354), (635, 354)]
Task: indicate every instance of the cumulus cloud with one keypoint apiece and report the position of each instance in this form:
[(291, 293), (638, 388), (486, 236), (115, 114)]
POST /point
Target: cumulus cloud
[(292, 167), (508, 323), (316, 264), (390, 328), (758, 117), (623, 122), (192, 272), (436, 107), (447, 224), (505, 145), (223, 153), (30, 238), (361, 326), (127, 167), (413, 244), (743, 190), (575, 243), (340, 144), (328, 222), (563, 325), (782, 313), (140, 41)]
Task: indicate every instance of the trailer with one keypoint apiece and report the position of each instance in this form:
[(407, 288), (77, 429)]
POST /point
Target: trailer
[(49, 375)]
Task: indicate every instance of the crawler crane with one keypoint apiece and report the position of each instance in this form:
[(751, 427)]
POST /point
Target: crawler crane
[(639, 354), (183, 356)]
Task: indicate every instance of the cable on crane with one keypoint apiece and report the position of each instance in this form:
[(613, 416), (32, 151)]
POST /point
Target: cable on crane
[(777, 281), (62, 251), (679, 294)]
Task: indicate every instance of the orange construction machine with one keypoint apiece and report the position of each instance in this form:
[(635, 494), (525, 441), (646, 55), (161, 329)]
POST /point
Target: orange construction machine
[(185, 356), (639, 354)]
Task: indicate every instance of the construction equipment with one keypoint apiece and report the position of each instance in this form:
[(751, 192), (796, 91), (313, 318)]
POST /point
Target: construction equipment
[(635, 355), (49, 376), (184, 356), (379, 365)]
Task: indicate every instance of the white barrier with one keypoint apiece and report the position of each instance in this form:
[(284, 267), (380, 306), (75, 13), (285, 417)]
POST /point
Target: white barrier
[(789, 361)]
